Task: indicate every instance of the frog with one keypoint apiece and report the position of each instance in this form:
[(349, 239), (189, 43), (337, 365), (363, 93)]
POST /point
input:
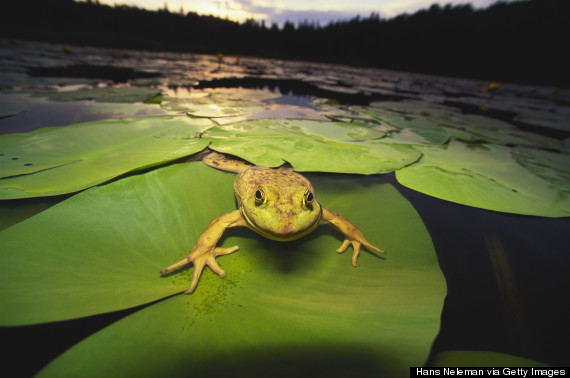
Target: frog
[(277, 203)]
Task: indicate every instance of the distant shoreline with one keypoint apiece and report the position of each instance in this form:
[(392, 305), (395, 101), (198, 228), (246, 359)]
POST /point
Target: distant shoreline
[(518, 42)]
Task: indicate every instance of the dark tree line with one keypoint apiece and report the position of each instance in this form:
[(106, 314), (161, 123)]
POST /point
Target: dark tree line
[(521, 41)]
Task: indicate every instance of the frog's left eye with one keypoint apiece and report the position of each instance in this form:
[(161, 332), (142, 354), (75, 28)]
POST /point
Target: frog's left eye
[(260, 196), (308, 198)]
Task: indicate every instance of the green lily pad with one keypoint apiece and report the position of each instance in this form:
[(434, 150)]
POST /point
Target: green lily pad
[(342, 113), (413, 108), (126, 94), (281, 303), (122, 110), (52, 161), (471, 358), (419, 136), (406, 123), (566, 145), (278, 112), (11, 104), (268, 143), (420, 123), (491, 130), (219, 102), (485, 176), (101, 250), (16, 211), (546, 119), (550, 166), (341, 131)]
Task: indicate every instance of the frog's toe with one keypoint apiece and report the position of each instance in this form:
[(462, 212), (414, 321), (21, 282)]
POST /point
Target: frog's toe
[(343, 246), (198, 267), (213, 264), (370, 246), (208, 259), (219, 251), (356, 249)]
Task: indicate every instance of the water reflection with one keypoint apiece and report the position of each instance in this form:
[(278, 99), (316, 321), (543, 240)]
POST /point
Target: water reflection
[(48, 114)]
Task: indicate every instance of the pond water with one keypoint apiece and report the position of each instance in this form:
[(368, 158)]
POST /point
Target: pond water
[(506, 273)]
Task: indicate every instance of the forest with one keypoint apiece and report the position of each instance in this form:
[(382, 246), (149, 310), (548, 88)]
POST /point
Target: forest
[(520, 41)]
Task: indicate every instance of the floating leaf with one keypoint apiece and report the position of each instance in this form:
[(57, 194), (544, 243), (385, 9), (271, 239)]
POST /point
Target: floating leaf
[(267, 143), (106, 94), (406, 124), (341, 112), (68, 113), (550, 166), (412, 108), (298, 300), (11, 104), (547, 119), (485, 176), (15, 211), (52, 161), (278, 112), (471, 358), (419, 136), (421, 123), (101, 250), (495, 131), (219, 102), (340, 131)]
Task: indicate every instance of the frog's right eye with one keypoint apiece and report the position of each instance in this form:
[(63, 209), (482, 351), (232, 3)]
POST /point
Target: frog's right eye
[(260, 196)]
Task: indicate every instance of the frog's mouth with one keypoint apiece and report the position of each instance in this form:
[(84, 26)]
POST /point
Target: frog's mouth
[(284, 233)]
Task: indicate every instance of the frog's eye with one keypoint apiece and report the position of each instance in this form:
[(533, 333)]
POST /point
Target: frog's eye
[(260, 196), (308, 198)]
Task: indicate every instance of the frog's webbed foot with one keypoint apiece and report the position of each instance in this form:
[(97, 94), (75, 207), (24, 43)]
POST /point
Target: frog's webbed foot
[(356, 248), (209, 259), (200, 259), (205, 251), (352, 235)]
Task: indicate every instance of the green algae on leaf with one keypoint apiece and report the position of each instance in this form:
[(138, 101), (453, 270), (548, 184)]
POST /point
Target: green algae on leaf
[(269, 143), (485, 176), (298, 300), (59, 160)]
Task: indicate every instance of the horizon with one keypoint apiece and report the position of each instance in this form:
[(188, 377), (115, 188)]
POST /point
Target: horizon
[(296, 11)]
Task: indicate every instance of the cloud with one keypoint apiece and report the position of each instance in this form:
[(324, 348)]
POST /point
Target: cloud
[(276, 14), (321, 18)]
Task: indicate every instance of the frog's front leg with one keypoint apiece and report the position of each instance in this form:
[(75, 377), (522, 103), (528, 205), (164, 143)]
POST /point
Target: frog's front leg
[(205, 250), (352, 235)]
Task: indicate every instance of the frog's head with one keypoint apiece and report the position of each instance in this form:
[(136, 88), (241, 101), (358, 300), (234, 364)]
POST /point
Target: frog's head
[(278, 204)]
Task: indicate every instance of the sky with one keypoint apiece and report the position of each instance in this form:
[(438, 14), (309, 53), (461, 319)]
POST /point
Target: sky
[(279, 11)]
